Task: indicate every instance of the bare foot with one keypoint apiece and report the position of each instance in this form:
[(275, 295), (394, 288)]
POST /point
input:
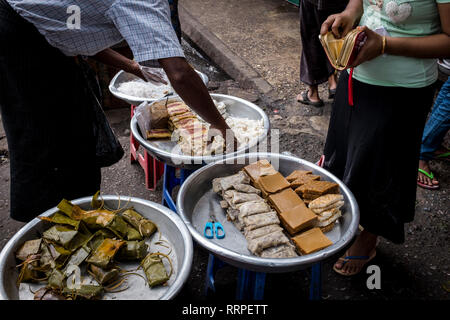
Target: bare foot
[(422, 178), (332, 82), (364, 245)]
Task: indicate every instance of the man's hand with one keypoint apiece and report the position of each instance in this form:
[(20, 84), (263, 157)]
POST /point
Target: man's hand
[(146, 74)]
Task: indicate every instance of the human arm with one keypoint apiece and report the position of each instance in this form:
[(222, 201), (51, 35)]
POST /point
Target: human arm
[(190, 87), (115, 59)]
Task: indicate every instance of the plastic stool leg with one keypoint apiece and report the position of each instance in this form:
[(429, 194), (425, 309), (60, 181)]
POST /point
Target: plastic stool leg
[(258, 285), (214, 264), (170, 181), (242, 284), (315, 289)]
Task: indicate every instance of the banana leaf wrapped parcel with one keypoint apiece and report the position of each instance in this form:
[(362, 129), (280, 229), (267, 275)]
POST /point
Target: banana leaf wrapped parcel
[(133, 250), (103, 276), (154, 270), (104, 254), (145, 227)]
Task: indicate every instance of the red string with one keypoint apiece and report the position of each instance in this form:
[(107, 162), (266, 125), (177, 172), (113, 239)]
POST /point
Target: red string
[(350, 88)]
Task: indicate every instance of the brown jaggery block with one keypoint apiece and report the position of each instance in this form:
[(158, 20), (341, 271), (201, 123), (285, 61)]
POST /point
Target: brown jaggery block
[(297, 219), (258, 169), (314, 189), (297, 174), (273, 183), (285, 200), (303, 180), (311, 241)]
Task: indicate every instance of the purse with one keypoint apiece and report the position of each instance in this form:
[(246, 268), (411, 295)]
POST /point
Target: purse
[(342, 52)]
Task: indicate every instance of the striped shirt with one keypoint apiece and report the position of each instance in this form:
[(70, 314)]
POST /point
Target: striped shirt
[(144, 24)]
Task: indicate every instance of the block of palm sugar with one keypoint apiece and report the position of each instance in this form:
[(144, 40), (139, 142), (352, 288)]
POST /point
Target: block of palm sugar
[(258, 169), (297, 219), (297, 174), (311, 241), (303, 180), (272, 183), (285, 200), (314, 189)]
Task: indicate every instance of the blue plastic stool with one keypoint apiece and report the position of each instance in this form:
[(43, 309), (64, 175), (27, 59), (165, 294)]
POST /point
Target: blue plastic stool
[(250, 284), (170, 182)]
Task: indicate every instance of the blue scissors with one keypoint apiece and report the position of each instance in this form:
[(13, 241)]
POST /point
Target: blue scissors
[(212, 227)]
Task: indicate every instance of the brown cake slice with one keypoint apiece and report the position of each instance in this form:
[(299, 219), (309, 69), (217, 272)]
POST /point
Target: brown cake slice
[(258, 169), (297, 174), (315, 189), (159, 134), (297, 219), (285, 200), (311, 241), (303, 180), (272, 183)]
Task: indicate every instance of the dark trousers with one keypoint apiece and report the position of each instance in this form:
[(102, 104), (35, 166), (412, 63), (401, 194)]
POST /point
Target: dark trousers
[(374, 146), (47, 114), (314, 65)]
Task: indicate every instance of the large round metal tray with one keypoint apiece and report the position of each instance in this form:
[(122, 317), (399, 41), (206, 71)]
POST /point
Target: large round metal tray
[(123, 76), (167, 151), (170, 225), (196, 200)]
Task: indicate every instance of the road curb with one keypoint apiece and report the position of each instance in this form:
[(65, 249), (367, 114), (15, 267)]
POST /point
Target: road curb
[(221, 54)]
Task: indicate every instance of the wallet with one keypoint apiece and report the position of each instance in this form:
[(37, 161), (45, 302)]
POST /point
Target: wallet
[(342, 52)]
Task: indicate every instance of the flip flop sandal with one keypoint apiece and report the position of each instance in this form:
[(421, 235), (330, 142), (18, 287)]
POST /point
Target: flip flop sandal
[(331, 93), (346, 258), (309, 102), (426, 186), (443, 156)]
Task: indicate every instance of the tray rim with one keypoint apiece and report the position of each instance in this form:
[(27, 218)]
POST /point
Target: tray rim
[(272, 264), (186, 160), (182, 273)]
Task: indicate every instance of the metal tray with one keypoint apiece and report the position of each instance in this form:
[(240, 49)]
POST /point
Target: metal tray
[(170, 225), (196, 196), (123, 76), (166, 151)]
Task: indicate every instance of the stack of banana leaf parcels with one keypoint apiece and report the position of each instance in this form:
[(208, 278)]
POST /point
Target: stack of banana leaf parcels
[(80, 242)]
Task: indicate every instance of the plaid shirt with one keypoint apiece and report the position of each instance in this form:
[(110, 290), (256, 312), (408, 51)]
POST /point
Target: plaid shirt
[(144, 24)]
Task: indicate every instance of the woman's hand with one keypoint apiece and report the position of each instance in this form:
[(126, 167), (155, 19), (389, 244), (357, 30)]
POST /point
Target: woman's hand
[(340, 23), (371, 49)]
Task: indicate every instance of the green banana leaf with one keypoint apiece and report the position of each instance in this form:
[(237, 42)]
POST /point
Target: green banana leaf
[(59, 218), (133, 234), (29, 248), (66, 237), (103, 256), (79, 256), (56, 279), (132, 250), (98, 238), (154, 270), (87, 291), (103, 276)]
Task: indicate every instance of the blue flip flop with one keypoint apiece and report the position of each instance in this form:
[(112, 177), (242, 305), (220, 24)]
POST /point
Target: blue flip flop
[(346, 258)]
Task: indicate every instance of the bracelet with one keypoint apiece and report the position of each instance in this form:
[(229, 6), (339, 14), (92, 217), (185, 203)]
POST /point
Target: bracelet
[(384, 45)]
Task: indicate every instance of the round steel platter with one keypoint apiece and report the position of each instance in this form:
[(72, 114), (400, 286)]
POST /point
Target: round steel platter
[(196, 200), (172, 230), (123, 76), (167, 151)]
